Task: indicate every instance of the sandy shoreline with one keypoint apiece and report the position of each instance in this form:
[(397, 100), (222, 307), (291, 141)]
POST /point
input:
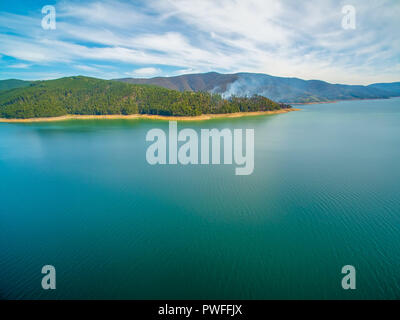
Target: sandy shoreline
[(148, 116)]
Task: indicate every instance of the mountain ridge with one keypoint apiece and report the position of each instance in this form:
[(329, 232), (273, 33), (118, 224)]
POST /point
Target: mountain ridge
[(280, 89), (10, 84)]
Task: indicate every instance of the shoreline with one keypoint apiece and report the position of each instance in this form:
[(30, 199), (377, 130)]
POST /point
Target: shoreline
[(336, 101), (148, 116), (323, 102)]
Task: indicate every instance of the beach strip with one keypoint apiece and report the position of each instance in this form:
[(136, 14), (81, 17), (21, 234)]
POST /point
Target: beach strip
[(149, 116)]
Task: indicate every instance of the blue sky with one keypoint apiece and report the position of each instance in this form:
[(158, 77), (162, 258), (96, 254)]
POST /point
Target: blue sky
[(113, 39)]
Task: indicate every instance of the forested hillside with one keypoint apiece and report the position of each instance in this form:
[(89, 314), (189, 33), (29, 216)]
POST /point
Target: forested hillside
[(13, 83), (90, 96)]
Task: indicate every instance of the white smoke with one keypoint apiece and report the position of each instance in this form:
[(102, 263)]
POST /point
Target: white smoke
[(274, 88)]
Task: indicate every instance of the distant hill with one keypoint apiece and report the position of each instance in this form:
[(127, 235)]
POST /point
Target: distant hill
[(284, 90), (391, 88), (13, 83), (192, 82), (90, 96)]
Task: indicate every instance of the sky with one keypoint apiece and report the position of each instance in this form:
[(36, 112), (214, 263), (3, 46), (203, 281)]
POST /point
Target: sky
[(117, 39)]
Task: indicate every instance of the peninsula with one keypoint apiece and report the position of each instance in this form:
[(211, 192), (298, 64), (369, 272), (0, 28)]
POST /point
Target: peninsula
[(83, 97)]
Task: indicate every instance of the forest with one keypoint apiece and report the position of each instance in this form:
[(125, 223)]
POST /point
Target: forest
[(89, 96)]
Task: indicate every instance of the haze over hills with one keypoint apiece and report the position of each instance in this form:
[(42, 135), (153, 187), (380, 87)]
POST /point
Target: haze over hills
[(285, 90)]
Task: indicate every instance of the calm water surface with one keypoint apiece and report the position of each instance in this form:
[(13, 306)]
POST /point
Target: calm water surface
[(325, 193)]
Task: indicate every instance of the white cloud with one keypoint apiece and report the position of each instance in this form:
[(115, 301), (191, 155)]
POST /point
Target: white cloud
[(19, 66), (144, 72), (87, 68), (104, 13), (251, 19)]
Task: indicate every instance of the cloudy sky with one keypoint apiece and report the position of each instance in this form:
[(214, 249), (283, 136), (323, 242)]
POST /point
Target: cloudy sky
[(112, 39)]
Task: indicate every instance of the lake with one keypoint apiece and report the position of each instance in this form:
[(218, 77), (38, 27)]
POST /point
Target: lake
[(79, 195)]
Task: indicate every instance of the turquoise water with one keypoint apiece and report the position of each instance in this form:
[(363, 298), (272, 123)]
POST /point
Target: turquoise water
[(80, 195)]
